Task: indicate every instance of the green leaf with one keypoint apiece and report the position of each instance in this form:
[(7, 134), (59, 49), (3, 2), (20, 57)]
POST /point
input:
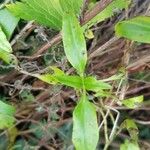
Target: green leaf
[(74, 42), (6, 109), (48, 78), (5, 48), (8, 25), (95, 85), (132, 128), (6, 121), (72, 81), (85, 126), (4, 44), (57, 71), (133, 102), (136, 29), (71, 5), (109, 11), (6, 115), (129, 146), (45, 12), (129, 124)]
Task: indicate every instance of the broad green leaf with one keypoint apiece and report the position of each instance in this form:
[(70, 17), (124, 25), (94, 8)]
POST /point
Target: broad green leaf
[(129, 146), (136, 29), (109, 11), (71, 5), (95, 85), (8, 22), (45, 12), (74, 42), (133, 102), (6, 115), (85, 126)]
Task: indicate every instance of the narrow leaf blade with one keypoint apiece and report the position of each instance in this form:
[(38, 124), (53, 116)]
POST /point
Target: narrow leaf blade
[(4, 44), (8, 25), (74, 42), (95, 85)]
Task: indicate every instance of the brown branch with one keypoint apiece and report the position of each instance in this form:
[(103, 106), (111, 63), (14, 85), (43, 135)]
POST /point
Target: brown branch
[(100, 6)]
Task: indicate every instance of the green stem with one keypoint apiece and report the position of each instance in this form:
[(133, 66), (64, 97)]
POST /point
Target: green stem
[(83, 85)]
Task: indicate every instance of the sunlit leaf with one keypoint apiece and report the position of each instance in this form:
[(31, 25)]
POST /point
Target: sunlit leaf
[(133, 102), (136, 29), (85, 127), (8, 22), (45, 12), (6, 115), (74, 42)]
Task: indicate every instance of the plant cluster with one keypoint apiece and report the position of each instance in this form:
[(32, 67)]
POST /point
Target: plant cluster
[(67, 17)]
